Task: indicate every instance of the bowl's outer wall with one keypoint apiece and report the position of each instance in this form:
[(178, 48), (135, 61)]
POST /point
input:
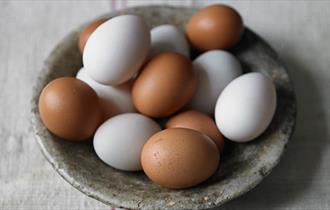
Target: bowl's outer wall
[(242, 167)]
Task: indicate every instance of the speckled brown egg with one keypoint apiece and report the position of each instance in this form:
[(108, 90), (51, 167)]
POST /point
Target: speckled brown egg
[(198, 121), (87, 31), (70, 109), (179, 158), (215, 27), (165, 85)]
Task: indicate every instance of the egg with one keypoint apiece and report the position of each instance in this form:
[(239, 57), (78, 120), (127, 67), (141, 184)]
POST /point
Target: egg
[(116, 50), (198, 121), (179, 158), (114, 99), (215, 69), (87, 31), (246, 107), (119, 140), (214, 27), (70, 109), (165, 85), (168, 38)]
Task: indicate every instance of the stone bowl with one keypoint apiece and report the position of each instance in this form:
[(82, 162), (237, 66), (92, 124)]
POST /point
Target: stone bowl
[(243, 166)]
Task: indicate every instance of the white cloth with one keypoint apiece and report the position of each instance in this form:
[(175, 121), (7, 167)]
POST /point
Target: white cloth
[(298, 30)]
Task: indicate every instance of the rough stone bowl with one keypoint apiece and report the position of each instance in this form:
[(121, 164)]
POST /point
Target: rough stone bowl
[(243, 166)]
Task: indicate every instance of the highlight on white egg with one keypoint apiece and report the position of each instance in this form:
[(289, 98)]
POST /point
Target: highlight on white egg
[(215, 70), (114, 99), (118, 141), (246, 107), (168, 38), (116, 50)]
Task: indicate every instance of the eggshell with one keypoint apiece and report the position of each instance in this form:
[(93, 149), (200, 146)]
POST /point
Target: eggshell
[(179, 158), (165, 85), (246, 107), (119, 141), (114, 99), (215, 69), (197, 121), (70, 109), (117, 49), (168, 38), (215, 27), (87, 31)]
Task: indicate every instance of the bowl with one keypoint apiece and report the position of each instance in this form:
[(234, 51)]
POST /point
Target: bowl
[(243, 166)]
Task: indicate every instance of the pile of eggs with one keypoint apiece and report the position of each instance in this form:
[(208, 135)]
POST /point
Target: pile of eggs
[(149, 107)]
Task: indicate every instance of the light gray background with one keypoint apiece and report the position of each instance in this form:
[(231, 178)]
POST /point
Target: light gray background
[(298, 30)]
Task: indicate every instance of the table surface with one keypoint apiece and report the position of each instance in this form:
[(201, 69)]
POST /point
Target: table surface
[(298, 30)]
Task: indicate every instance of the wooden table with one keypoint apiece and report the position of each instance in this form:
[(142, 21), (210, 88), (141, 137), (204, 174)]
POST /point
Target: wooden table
[(298, 30)]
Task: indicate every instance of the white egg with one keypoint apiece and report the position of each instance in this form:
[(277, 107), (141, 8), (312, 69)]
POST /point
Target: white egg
[(114, 99), (215, 70), (246, 107), (117, 49), (119, 141), (168, 38)]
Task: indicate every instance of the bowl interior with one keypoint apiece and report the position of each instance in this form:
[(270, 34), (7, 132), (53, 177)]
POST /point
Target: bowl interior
[(243, 166)]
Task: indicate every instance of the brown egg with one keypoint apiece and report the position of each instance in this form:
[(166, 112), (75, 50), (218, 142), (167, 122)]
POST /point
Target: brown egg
[(70, 109), (200, 122), (165, 85), (87, 31), (179, 158), (215, 27)]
